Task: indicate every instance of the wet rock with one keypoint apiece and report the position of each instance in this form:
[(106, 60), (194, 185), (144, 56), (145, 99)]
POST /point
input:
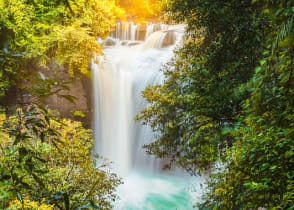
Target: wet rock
[(110, 42), (133, 43), (169, 38)]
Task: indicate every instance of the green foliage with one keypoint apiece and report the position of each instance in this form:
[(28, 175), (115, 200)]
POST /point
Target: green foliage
[(78, 113), (203, 82), (29, 205), (44, 158), (52, 35), (228, 101), (259, 170)]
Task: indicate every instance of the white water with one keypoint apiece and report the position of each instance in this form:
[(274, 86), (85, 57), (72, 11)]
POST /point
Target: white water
[(126, 31), (118, 82), (119, 89)]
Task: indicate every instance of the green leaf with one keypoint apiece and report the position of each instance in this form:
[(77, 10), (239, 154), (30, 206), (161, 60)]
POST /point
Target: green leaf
[(258, 69), (262, 62), (19, 197), (273, 168), (70, 98)]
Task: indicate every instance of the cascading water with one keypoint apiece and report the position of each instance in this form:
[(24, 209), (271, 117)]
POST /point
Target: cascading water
[(118, 82), (126, 31)]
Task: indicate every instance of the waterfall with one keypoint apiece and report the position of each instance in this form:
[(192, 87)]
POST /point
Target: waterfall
[(126, 31), (118, 80), (149, 29), (133, 32), (153, 27)]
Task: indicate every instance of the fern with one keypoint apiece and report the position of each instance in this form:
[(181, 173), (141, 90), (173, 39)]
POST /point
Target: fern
[(285, 30)]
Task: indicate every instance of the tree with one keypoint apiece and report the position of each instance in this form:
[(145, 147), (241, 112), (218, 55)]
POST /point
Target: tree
[(258, 172), (48, 34), (47, 160), (39, 165), (228, 100), (201, 95)]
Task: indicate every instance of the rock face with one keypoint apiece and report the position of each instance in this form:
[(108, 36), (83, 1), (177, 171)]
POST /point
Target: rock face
[(79, 88), (169, 38), (160, 39), (110, 42)]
